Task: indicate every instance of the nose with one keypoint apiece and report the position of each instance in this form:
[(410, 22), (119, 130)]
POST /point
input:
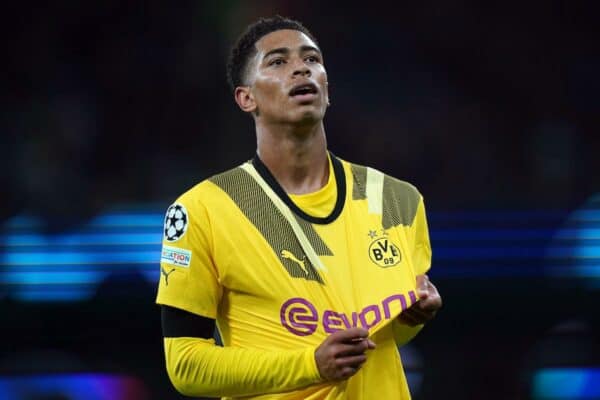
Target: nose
[(301, 69)]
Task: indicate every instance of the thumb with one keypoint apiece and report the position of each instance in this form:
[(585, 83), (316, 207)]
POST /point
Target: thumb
[(423, 286)]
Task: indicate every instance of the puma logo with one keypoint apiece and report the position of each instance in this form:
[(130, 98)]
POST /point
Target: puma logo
[(290, 256), (166, 274)]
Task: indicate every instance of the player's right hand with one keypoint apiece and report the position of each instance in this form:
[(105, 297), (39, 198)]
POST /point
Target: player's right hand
[(342, 353)]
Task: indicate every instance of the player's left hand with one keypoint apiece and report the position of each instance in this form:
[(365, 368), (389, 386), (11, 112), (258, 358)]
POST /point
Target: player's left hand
[(426, 307)]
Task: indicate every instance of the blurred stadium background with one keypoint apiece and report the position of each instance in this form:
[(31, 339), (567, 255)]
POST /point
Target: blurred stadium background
[(111, 109)]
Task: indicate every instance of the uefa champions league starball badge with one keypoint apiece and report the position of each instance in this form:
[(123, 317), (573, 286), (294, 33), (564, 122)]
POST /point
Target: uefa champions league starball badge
[(176, 222)]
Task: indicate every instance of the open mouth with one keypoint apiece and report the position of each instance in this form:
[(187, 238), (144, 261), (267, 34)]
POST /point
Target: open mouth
[(302, 90)]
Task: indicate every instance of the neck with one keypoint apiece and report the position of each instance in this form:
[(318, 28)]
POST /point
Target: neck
[(296, 156)]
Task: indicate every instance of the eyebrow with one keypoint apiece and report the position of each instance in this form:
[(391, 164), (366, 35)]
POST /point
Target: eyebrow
[(286, 50)]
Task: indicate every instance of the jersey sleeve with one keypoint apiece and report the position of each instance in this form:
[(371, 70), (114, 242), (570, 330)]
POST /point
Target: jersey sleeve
[(421, 245), (189, 280), (198, 368)]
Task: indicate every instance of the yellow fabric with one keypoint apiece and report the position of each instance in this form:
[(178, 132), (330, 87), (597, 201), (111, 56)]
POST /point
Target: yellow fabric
[(199, 368), (235, 276), (418, 234), (374, 190), (297, 231), (319, 203), (404, 333)]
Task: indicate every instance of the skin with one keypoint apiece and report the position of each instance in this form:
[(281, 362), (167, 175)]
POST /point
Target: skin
[(291, 143), (290, 134), (428, 305)]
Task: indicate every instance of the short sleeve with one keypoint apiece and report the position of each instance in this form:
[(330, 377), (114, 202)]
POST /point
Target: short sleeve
[(421, 245), (188, 276)]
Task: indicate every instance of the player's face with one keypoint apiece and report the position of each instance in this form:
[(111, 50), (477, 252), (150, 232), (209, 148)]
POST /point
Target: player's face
[(288, 80)]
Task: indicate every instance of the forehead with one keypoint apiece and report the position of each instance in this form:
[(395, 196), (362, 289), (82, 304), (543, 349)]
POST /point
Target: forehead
[(284, 38)]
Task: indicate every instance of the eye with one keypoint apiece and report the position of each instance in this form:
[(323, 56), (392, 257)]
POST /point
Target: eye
[(277, 61), (312, 59)]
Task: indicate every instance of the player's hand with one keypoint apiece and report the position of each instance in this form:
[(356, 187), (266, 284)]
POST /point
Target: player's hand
[(428, 305), (341, 355)]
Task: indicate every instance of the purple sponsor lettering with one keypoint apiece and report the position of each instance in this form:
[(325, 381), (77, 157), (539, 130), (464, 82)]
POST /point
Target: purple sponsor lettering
[(386, 304), (363, 316), (301, 321), (413, 297), (354, 319), (334, 321), (300, 317)]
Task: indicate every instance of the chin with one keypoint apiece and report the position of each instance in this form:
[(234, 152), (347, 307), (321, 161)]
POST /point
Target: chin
[(308, 116)]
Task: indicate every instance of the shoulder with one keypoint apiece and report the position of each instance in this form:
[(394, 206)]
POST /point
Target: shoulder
[(401, 188), (211, 191), (198, 207), (399, 199), (398, 188)]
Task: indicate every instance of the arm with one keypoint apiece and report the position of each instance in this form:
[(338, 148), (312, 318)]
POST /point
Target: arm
[(197, 367), (190, 292), (410, 322)]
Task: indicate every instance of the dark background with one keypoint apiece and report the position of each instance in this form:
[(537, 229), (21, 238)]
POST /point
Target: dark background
[(491, 109)]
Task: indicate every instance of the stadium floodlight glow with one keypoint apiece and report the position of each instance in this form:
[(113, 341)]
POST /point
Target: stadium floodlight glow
[(69, 266), (75, 386), (581, 233), (82, 239), (573, 383)]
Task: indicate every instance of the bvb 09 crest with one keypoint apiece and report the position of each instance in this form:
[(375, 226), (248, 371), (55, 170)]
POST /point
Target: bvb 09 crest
[(384, 253)]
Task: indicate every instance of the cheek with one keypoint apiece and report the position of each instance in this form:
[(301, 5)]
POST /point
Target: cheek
[(322, 79), (267, 89)]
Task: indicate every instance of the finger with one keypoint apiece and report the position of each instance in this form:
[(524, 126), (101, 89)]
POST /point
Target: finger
[(431, 304), (408, 322), (435, 294), (408, 319), (344, 350), (349, 335), (351, 361), (347, 372), (370, 344), (421, 314), (421, 279), (423, 286)]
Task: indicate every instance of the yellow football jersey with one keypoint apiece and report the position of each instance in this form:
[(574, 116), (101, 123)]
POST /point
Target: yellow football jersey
[(283, 272)]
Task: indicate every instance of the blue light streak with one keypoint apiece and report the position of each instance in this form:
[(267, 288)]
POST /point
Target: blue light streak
[(83, 386), (52, 277), (63, 258), (566, 383), (70, 266), (149, 220), (82, 239)]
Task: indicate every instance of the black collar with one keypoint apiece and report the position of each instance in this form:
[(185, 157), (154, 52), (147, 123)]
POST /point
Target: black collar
[(340, 180)]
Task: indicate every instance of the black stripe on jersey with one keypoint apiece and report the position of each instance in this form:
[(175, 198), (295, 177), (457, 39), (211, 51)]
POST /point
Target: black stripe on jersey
[(256, 205), (180, 323), (359, 182), (400, 202), (313, 237), (340, 180)]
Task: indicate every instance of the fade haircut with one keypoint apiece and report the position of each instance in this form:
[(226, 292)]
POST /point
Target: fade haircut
[(244, 49)]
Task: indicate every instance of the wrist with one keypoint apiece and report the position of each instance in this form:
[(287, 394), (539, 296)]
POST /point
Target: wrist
[(311, 364)]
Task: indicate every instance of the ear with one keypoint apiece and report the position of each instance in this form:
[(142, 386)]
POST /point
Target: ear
[(245, 99)]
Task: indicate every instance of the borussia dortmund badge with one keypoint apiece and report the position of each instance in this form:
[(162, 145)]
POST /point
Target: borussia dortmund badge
[(382, 251)]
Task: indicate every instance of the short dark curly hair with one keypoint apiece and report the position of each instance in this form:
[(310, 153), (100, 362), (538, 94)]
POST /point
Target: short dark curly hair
[(245, 48)]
